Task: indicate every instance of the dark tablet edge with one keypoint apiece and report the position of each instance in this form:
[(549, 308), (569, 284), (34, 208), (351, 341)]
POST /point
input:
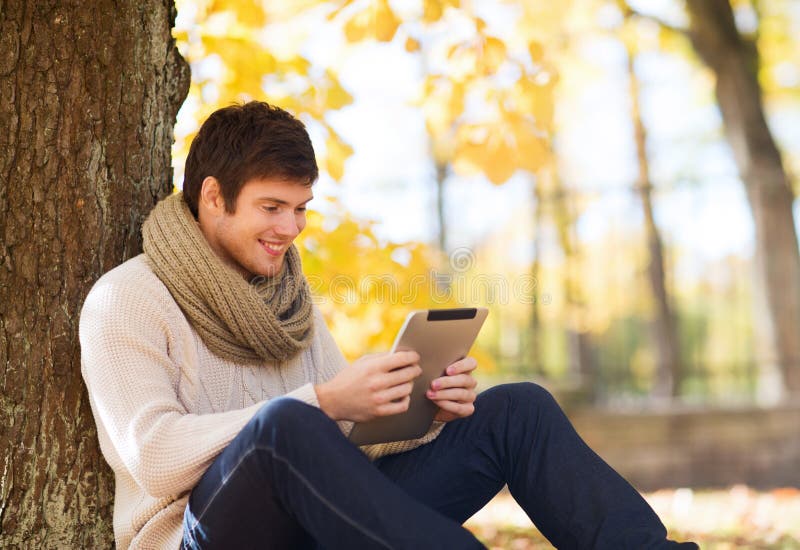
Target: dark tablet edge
[(452, 314)]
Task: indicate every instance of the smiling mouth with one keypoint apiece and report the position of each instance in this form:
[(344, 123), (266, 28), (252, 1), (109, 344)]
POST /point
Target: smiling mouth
[(275, 249)]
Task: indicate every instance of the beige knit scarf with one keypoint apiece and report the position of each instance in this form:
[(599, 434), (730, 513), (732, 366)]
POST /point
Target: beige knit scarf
[(267, 320)]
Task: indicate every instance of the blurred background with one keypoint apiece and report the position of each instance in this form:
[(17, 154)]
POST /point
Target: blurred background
[(614, 179)]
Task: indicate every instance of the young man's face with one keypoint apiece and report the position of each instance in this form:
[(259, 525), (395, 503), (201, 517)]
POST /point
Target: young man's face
[(254, 239)]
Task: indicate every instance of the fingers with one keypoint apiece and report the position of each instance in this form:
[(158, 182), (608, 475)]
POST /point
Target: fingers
[(393, 377), (393, 407), (393, 394), (400, 376), (454, 409), (468, 364), (391, 361), (455, 381), (459, 395)]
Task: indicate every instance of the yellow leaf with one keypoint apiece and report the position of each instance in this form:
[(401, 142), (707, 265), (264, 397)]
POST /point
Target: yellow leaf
[(499, 148), (466, 160), (412, 45), (180, 36), (473, 150), (336, 153), (498, 163), (443, 104), (297, 64), (246, 62), (386, 22), (377, 21), (532, 151), (456, 102), (249, 12), (355, 30), (494, 54), (336, 96), (432, 11), (536, 51), (535, 99)]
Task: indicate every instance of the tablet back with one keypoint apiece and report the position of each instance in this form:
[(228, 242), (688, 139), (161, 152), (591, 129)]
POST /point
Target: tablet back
[(440, 337)]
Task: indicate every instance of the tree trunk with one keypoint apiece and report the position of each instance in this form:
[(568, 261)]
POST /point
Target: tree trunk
[(534, 350), (665, 334), (734, 62), (89, 92), (580, 352), (441, 177)]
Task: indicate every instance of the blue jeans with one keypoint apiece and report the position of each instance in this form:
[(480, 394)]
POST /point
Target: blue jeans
[(290, 479)]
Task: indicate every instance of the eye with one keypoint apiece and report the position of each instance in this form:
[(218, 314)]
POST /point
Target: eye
[(301, 209), (271, 209)]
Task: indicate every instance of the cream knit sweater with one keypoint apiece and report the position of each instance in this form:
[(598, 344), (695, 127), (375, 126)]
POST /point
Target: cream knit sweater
[(165, 406)]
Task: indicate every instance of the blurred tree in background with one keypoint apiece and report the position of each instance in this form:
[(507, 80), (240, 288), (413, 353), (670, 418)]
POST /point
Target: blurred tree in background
[(733, 57), (623, 313)]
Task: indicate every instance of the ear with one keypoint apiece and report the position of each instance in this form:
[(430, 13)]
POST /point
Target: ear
[(211, 199)]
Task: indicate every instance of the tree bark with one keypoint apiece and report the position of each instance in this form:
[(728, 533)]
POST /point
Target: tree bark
[(89, 92), (734, 62), (668, 362)]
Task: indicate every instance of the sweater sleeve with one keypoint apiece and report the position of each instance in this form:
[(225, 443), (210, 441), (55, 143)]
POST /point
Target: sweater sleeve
[(132, 381)]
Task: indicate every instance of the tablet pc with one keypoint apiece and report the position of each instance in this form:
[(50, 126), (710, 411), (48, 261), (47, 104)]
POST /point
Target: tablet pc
[(440, 337)]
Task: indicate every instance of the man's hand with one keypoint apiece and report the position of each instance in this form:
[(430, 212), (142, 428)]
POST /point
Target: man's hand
[(454, 392), (372, 386)]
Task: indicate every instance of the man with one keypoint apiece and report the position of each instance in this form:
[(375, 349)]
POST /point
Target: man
[(222, 401)]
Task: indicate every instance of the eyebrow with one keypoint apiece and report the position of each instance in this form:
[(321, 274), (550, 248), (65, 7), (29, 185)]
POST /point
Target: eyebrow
[(280, 201)]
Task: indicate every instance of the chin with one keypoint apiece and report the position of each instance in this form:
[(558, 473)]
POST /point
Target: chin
[(271, 270)]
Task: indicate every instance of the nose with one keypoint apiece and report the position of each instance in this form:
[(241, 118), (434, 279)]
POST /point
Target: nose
[(287, 225)]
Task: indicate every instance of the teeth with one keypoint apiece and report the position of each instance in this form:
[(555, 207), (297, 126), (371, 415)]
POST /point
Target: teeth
[(274, 247)]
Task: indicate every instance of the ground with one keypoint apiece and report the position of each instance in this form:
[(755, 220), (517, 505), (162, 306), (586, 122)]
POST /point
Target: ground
[(738, 517)]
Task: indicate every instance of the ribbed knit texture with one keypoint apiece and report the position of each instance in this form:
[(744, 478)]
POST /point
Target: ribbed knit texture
[(267, 320), (166, 405)]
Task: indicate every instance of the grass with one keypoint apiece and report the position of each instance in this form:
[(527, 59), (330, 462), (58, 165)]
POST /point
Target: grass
[(735, 518)]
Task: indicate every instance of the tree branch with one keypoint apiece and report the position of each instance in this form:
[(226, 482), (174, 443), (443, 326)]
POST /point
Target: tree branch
[(628, 11)]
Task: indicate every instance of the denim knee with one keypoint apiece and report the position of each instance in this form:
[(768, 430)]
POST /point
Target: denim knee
[(286, 414), (516, 396)]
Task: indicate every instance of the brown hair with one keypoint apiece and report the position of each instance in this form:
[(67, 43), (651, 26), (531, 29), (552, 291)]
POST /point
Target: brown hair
[(242, 142)]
